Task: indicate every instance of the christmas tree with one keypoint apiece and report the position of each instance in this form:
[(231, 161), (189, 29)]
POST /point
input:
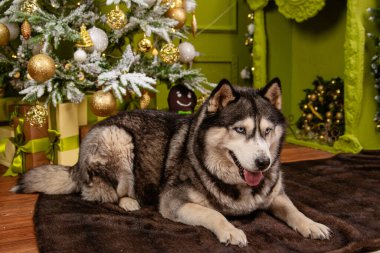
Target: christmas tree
[(322, 108), (375, 61), (69, 47)]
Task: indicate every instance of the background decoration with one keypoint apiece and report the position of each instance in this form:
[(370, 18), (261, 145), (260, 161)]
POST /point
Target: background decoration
[(375, 61), (300, 10), (322, 112)]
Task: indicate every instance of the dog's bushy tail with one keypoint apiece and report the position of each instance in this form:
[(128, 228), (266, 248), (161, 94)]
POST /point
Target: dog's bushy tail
[(48, 179)]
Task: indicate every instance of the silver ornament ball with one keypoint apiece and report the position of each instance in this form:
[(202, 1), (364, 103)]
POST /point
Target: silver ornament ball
[(187, 52), (99, 38)]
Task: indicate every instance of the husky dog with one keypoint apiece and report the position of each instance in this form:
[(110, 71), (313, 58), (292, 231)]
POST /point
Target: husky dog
[(224, 160)]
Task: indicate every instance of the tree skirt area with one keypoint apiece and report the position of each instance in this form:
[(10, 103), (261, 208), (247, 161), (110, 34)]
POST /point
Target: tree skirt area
[(342, 192)]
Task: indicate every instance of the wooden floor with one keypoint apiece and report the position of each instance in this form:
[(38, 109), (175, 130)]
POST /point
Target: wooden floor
[(16, 210)]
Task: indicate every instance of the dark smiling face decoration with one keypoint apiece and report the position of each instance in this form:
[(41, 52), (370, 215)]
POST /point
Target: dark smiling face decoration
[(181, 100)]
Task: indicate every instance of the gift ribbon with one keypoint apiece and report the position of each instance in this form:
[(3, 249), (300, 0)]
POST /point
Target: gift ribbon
[(33, 146), (184, 112), (60, 144), (57, 143)]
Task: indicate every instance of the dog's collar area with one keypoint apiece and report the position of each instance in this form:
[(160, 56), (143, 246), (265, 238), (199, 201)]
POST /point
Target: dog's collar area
[(238, 164)]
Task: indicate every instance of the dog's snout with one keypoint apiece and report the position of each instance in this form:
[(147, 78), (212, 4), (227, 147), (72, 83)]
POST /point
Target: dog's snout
[(262, 163)]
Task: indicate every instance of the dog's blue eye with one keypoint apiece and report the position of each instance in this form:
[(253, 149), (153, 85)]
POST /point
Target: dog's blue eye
[(267, 131), (240, 130)]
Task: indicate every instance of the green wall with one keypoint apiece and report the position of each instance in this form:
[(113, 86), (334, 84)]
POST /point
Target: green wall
[(298, 52)]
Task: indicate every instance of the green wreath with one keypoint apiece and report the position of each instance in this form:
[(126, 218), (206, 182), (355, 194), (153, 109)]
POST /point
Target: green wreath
[(299, 10)]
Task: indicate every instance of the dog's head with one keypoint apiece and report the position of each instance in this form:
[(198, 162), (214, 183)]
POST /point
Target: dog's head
[(241, 132)]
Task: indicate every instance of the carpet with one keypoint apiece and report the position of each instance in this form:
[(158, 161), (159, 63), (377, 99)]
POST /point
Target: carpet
[(342, 192)]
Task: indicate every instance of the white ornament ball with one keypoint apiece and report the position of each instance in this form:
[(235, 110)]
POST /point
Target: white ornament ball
[(14, 29), (80, 55), (99, 38), (187, 52), (190, 5), (149, 2), (251, 28)]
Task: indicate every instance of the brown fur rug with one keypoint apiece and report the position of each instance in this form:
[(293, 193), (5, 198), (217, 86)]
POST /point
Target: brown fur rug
[(342, 192)]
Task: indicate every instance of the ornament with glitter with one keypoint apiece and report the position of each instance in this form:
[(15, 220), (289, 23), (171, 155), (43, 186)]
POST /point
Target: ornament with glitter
[(37, 115)]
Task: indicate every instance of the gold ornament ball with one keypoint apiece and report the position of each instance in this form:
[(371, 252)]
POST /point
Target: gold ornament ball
[(313, 97), (103, 103), (144, 45), (305, 107), (328, 121), (378, 127), (178, 14), (309, 116), (116, 19), (321, 138), (328, 115), (41, 67), (320, 87), (29, 6), (5, 35), (169, 53)]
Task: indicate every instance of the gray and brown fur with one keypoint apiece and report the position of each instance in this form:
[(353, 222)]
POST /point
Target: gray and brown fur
[(185, 165)]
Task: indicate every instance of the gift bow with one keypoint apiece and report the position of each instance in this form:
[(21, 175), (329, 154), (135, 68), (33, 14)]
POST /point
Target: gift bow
[(60, 144)]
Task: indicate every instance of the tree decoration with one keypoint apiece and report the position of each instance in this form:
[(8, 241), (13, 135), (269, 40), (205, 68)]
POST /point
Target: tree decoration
[(99, 39), (4, 35), (247, 72), (144, 45), (29, 6), (181, 100), (80, 55), (145, 100), (187, 52), (41, 67), (14, 29), (178, 14), (86, 41), (375, 61), (102, 103), (37, 115), (116, 19), (169, 53), (322, 112), (26, 29), (194, 25)]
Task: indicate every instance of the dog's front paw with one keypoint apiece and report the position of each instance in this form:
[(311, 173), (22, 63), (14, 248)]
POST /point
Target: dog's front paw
[(129, 204), (232, 235), (311, 229)]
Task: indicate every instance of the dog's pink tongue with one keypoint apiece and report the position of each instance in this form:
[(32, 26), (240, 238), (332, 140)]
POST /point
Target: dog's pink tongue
[(253, 178)]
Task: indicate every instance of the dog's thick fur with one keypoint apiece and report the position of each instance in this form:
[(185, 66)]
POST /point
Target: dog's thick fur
[(224, 160)]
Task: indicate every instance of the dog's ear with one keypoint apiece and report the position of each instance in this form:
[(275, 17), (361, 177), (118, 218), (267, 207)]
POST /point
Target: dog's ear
[(221, 96), (272, 91)]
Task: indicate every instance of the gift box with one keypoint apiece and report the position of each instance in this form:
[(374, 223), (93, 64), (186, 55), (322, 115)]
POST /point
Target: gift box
[(7, 148), (5, 104), (83, 131), (31, 142), (63, 122)]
